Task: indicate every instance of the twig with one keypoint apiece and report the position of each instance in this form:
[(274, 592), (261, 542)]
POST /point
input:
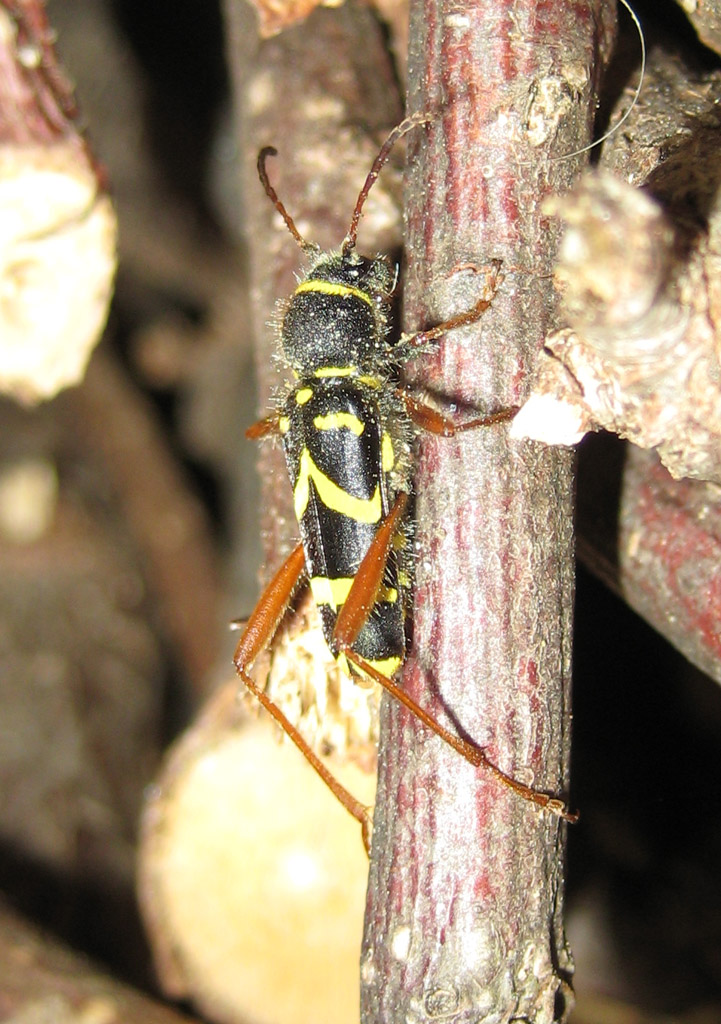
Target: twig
[(656, 542), (641, 359), (465, 895)]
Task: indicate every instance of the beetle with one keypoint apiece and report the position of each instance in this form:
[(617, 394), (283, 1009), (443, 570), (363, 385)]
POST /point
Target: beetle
[(346, 426)]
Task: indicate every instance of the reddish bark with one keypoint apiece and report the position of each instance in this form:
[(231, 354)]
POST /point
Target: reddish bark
[(37, 104), (656, 542), (465, 895)]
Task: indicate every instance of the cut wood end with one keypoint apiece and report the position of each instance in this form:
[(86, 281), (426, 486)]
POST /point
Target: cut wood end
[(252, 877), (276, 15), (551, 420), (57, 265), (335, 714)]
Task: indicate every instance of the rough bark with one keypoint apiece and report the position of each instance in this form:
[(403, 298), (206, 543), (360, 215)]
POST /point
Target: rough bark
[(706, 19), (639, 271), (658, 389), (466, 887)]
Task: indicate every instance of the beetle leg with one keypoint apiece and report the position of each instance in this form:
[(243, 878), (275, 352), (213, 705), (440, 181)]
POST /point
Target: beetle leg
[(351, 619), (473, 754), (257, 635), (409, 343), (435, 422), (362, 595), (263, 428)]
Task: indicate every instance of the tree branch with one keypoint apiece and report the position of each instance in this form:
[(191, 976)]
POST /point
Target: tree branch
[(465, 895), (656, 542)]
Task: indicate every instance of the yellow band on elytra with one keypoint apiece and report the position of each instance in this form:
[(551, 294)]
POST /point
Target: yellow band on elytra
[(365, 510)]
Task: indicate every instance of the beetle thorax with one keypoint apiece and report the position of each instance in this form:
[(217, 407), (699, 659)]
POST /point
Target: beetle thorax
[(336, 317)]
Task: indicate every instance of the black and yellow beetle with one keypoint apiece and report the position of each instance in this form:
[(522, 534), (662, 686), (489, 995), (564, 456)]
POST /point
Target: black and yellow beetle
[(346, 427)]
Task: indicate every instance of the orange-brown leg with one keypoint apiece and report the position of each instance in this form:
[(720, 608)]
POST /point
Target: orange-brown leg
[(474, 755), (428, 418), (367, 581), (424, 415), (263, 428), (409, 342), (258, 633), (351, 618)]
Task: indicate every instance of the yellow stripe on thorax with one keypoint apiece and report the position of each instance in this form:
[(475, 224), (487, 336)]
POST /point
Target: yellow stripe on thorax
[(329, 288), (348, 371), (336, 420), (335, 371), (364, 510)]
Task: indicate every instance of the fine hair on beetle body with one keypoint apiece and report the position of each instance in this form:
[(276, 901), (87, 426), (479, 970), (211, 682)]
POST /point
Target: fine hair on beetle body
[(318, 333), (346, 425)]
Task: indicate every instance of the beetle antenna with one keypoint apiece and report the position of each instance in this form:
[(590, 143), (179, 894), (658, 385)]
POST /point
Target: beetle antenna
[(401, 129), (273, 196), (612, 131)]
